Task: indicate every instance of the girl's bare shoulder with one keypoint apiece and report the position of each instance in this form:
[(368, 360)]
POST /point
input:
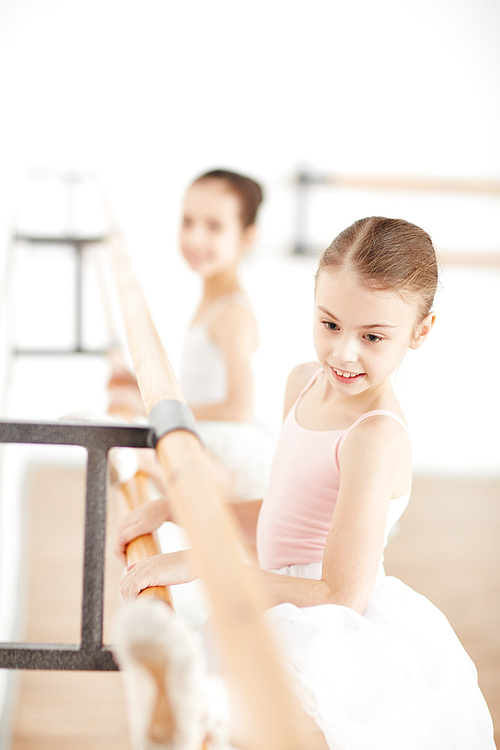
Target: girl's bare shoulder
[(234, 323), (297, 380)]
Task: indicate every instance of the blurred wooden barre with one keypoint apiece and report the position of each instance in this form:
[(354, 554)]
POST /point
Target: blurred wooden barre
[(480, 259), (249, 650), (449, 257), (401, 182)]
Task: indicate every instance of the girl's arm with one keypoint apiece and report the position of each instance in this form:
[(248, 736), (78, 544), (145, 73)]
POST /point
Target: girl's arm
[(234, 332), (374, 465), (246, 513), (173, 568)]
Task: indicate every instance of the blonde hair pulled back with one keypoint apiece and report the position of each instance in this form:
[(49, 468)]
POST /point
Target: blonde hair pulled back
[(389, 255)]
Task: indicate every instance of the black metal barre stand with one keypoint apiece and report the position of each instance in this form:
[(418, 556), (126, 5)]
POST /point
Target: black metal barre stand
[(90, 653)]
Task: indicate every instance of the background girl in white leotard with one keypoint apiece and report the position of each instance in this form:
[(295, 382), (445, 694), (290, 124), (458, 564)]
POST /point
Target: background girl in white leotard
[(216, 374), (216, 370)]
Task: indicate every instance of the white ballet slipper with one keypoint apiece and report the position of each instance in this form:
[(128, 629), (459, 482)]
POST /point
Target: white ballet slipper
[(172, 703)]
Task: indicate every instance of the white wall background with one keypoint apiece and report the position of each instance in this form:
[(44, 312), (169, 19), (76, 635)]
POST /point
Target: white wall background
[(147, 95)]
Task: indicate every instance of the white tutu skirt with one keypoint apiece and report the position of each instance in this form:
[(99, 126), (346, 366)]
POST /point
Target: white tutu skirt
[(394, 678), (245, 451)]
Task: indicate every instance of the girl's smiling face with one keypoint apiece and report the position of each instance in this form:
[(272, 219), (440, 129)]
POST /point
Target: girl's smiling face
[(361, 334), (212, 237)]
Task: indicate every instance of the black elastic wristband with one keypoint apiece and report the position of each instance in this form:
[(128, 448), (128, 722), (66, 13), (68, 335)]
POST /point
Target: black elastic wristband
[(168, 416)]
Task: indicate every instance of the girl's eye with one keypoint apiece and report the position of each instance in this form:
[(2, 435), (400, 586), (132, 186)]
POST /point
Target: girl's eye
[(331, 326), (186, 223), (373, 338)]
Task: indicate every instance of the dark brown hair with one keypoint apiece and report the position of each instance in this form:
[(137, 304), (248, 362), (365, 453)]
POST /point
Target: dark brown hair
[(388, 254), (246, 190)]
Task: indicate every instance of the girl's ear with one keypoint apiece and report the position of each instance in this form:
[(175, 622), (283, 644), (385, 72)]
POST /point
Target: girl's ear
[(423, 330)]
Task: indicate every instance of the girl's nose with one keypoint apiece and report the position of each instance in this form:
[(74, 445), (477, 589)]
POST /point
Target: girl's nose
[(193, 237), (345, 350)]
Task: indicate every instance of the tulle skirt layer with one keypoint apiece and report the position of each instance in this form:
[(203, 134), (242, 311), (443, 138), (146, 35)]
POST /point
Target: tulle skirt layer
[(394, 678)]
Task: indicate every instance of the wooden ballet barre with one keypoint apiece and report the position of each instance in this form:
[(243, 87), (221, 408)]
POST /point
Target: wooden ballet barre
[(251, 656), (401, 182), (133, 494)]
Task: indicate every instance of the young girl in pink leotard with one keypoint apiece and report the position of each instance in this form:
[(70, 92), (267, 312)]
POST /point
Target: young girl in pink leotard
[(375, 664)]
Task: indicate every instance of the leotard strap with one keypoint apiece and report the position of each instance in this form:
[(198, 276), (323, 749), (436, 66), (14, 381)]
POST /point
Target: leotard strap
[(374, 413), (377, 412), (307, 386)]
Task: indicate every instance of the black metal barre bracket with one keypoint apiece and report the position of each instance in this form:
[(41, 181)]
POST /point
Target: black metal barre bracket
[(171, 415), (58, 656), (98, 439)]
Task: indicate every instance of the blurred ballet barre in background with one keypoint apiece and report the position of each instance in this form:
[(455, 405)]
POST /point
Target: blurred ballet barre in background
[(308, 181)]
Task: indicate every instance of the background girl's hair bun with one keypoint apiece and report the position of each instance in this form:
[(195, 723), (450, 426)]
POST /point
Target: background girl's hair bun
[(248, 191)]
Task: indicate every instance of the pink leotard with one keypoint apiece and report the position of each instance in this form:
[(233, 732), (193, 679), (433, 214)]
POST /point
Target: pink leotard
[(300, 499)]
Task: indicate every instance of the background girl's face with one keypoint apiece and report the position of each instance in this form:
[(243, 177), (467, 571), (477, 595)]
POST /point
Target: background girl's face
[(212, 238), (360, 334)]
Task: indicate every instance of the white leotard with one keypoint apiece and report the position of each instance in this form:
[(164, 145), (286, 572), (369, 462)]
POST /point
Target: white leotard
[(202, 371)]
